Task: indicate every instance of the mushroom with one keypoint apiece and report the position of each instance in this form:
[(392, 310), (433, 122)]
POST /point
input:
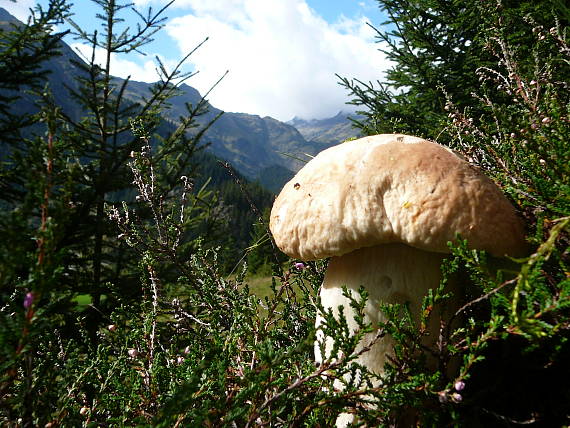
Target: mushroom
[(383, 208)]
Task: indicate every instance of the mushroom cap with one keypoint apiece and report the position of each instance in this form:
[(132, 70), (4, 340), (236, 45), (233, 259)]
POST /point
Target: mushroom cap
[(392, 188)]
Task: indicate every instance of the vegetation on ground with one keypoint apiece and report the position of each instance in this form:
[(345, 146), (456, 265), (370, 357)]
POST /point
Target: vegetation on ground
[(115, 303)]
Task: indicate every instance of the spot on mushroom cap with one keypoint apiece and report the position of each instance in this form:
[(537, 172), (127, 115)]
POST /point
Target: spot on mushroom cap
[(392, 188)]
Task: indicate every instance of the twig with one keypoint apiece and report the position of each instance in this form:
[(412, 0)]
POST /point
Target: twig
[(256, 211), (483, 297), (317, 373)]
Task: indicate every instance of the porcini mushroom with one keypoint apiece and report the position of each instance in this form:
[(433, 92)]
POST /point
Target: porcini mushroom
[(383, 208)]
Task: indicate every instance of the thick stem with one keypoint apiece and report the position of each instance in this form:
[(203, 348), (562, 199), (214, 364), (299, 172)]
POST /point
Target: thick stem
[(391, 273)]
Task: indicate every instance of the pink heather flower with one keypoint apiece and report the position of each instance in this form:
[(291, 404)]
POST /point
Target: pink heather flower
[(179, 360), (112, 327), (459, 385), (28, 300), (132, 353), (83, 411), (456, 397), (299, 266), (186, 350)]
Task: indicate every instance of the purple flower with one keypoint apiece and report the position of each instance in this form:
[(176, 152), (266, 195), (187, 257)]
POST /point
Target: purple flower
[(459, 385), (28, 300), (299, 265)]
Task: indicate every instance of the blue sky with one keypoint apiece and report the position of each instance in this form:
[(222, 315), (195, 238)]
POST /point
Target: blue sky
[(282, 55)]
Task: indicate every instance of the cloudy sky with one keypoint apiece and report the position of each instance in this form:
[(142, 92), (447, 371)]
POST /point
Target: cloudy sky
[(282, 55)]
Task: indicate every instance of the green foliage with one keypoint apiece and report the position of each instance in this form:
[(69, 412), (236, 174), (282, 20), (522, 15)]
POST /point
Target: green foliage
[(489, 79), (23, 49), (110, 209), (59, 173), (197, 350), (242, 204)]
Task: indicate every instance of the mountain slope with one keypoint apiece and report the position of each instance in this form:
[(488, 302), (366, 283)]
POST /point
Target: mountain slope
[(261, 148), (62, 72), (252, 144)]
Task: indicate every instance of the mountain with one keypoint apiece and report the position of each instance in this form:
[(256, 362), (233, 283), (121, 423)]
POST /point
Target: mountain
[(233, 203), (326, 132), (261, 148), (61, 69)]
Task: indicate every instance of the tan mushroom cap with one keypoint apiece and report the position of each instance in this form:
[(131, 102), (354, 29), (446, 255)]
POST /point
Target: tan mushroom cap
[(392, 188)]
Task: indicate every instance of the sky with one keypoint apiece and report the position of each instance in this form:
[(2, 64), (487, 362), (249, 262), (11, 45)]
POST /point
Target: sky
[(282, 56)]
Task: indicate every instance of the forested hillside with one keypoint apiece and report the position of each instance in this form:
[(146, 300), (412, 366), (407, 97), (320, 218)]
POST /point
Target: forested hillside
[(121, 299), (63, 75), (252, 144)]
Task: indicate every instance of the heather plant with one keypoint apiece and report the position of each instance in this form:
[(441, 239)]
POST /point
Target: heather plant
[(116, 312), (496, 91), (199, 349), (176, 342)]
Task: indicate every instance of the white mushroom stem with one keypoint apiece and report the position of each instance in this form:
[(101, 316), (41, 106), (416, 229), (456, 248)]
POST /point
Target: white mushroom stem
[(391, 273)]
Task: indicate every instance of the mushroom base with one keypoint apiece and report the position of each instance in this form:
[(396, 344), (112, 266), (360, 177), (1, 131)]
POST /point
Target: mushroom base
[(391, 273)]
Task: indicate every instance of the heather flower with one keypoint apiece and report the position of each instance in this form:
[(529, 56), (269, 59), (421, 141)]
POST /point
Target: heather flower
[(133, 353), (299, 266), (459, 385), (112, 327), (28, 300)]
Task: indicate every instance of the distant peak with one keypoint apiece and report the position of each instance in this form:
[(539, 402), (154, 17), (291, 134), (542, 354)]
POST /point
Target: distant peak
[(307, 121)]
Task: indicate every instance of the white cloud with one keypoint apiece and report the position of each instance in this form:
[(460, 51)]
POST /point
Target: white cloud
[(281, 55), (20, 9)]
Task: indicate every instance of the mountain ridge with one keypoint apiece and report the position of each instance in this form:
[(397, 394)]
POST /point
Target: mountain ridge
[(253, 144), (328, 131)]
